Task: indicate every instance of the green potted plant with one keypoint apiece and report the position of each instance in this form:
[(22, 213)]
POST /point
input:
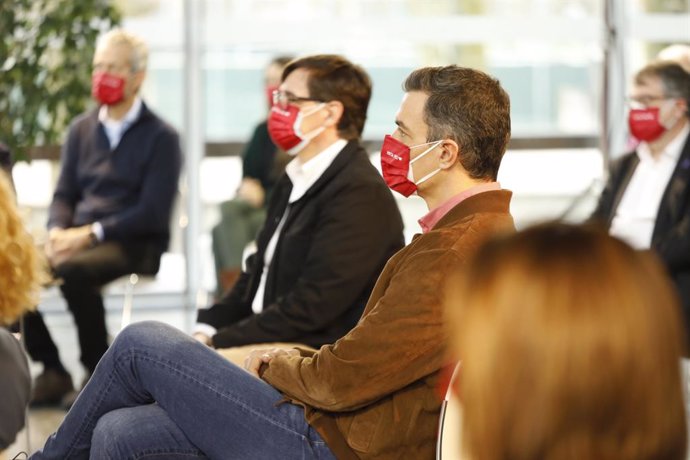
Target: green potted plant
[(45, 67)]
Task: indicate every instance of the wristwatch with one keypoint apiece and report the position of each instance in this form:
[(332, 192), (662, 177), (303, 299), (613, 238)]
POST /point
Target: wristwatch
[(93, 239)]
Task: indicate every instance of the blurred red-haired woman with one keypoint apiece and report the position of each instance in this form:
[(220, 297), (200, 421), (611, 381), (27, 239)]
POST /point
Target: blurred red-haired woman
[(570, 344)]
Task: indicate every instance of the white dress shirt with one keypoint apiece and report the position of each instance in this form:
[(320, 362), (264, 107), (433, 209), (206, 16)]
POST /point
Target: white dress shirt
[(636, 213), (302, 176), (114, 129)]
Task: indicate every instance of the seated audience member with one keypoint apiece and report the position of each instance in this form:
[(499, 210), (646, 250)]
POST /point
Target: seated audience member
[(242, 217), (646, 201), (370, 394), (569, 342), (111, 209), (678, 53), (21, 274), (331, 222)]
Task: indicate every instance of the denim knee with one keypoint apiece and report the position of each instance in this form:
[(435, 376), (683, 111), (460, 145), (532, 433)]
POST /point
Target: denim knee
[(108, 437), (148, 335), (140, 333)]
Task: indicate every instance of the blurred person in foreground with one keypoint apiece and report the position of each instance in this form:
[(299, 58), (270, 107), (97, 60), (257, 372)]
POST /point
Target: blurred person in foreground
[(569, 342), (111, 208), (371, 394), (646, 201), (263, 163), (22, 272)]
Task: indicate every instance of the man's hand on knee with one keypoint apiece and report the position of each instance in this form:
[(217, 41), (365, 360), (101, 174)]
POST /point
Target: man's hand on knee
[(62, 243), (257, 358)]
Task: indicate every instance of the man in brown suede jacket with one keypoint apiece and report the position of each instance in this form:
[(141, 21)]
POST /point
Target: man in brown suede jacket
[(371, 394)]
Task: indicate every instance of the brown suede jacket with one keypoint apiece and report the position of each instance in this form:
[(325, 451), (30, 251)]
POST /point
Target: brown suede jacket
[(373, 394)]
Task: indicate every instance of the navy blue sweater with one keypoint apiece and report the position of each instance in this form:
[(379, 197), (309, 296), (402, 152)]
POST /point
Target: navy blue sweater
[(129, 190)]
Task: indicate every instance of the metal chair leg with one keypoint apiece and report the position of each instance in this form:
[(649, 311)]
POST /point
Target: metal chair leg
[(129, 300)]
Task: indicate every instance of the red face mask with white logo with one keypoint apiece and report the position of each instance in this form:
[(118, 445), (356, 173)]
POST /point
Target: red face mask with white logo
[(107, 88), (644, 124), (285, 128), (396, 165)]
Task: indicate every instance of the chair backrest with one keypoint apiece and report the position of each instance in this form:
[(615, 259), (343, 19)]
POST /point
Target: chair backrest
[(449, 445)]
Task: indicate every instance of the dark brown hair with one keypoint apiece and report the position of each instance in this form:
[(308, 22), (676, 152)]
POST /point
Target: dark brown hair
[(334, 78), (469, 107), (570, 343)]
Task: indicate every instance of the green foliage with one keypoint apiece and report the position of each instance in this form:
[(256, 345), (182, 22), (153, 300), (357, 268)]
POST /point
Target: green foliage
[(46, 48)]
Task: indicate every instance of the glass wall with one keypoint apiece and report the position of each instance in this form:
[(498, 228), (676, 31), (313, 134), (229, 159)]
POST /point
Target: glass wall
[(549, 61), (547, 53)]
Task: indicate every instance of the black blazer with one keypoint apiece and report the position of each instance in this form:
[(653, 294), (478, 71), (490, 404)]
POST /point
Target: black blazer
[(335, 241), (671, 235)]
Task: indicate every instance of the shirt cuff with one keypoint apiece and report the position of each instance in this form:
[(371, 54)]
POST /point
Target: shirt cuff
[(97, 229), (205, 329)]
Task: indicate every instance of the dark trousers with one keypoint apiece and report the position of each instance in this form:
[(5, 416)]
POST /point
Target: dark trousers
[(82, 277)]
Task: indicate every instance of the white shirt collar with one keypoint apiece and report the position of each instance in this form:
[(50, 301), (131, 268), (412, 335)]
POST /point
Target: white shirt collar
[(672, 150), (129, 118), (304, 175), (114, 129)]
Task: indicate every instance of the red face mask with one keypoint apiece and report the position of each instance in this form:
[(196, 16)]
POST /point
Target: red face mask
[(284, 127), (644, 124), (396, 165), (107, 88)]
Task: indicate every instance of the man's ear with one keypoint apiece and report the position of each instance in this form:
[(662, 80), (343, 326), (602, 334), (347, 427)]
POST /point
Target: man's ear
[(335, 111), (449, 153)]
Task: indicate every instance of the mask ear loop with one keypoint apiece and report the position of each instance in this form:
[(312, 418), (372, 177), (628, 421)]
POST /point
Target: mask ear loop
[(314, 109), (306, 137), (300, 119), (431, 174), (436, 144)]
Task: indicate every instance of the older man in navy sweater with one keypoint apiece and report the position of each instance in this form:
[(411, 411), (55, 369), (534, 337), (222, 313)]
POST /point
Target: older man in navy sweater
[(110, 213)]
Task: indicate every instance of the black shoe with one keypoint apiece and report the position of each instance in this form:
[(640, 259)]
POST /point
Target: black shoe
[(50, 387)]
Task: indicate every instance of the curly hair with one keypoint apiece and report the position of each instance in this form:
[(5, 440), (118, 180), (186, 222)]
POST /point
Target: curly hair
[(22, 267)]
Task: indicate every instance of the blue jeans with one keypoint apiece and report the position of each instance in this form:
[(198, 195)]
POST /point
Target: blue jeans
[(159, 393)]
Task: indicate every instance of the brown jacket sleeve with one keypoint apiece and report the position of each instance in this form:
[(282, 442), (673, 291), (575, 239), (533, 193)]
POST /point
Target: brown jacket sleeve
[(396, 343)]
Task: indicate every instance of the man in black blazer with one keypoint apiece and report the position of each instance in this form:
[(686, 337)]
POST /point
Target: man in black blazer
[(332, 223), (647, 198)]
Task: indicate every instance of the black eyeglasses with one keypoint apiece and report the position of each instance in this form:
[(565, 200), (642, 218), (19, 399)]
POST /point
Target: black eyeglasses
[(282, 99), (645, 101)]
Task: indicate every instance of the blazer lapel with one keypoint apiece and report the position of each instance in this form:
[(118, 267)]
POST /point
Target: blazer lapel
[(627, 171), (671, 207)]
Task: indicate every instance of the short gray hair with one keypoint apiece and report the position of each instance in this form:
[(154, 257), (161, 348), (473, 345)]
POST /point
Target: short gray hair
[(139, 51)]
